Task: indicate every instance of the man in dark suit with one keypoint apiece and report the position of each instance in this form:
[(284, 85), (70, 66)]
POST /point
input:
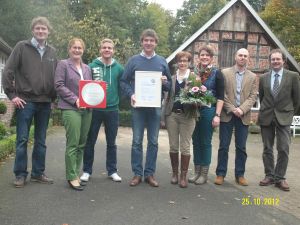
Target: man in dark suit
[(279, 93)]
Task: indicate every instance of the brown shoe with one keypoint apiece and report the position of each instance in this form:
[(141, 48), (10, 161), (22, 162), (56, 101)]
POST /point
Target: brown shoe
[(151, 181), (266, 181), (219, 180), (43, 179), (19, 182), (135, 181), (283, 185), (241, 181)]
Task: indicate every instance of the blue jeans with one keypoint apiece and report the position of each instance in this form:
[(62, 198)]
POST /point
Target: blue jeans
[(111, 123), (141, 118), (241, 134), (40, 112), (202, 137)]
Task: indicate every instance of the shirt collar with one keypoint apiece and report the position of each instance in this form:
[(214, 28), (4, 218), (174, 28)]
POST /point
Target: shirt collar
[(280, 72), (35, 43), (238, 72), (148, 57)]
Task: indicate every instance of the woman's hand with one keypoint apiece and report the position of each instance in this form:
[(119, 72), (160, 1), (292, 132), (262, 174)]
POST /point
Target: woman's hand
[(215, 121)]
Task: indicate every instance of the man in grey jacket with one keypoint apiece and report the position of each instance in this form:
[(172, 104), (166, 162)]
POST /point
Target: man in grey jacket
[(28, 81), (279, 94)]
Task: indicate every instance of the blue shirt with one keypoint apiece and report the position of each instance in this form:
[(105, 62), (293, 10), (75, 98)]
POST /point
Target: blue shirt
[(41, 49), (239, 79), (280, 73)]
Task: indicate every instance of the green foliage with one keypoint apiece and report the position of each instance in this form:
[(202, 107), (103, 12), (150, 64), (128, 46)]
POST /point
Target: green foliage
[(283, 18), (7, 146), (13, 121), (125, 118), (193, 15), (2, 131), (258, 5), (158, 19), (3, 107), (56, 117)]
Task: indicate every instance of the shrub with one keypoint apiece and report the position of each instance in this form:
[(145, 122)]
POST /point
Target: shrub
[(56, 117), (3, 108), (125, 118), (13, 121), (2, 131)]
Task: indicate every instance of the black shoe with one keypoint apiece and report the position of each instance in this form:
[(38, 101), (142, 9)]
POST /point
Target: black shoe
[(83, 183), (77, 188)]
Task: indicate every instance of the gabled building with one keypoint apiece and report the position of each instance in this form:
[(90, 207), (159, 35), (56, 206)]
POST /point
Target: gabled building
[(236, 26)]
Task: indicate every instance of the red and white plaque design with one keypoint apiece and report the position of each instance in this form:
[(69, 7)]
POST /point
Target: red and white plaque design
[(92, 94)]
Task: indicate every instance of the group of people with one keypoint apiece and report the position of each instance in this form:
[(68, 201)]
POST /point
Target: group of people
[(33, 78)]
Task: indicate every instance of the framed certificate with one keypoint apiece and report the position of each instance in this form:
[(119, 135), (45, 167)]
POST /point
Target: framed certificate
[(148, 88), (92, 94)]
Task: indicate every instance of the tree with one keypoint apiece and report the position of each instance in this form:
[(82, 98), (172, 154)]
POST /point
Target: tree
[(258, 5), (158, 19), (283, 18), (13, 30), (193, 15)]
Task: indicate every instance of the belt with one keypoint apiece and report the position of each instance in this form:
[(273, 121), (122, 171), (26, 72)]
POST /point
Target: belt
[(177, 111)]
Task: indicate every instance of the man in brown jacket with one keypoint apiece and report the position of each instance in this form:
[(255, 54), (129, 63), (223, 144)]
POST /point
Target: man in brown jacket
[(28, 81), (240, 95), (279, 93)]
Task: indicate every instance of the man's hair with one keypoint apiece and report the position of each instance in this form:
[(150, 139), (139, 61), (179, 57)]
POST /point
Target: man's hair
[(277, 50), (73, 40), (106, 40), (182, 54), (206, 48), (149, 33), (40, 20)]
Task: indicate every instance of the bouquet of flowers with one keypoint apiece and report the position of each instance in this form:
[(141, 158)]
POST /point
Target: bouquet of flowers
[(194, 95)]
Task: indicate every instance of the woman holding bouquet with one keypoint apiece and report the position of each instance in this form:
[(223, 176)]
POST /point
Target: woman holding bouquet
[(180, 127), (213, 80)]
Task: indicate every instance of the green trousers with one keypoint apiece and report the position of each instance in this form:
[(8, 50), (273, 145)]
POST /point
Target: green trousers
[(77, 125)]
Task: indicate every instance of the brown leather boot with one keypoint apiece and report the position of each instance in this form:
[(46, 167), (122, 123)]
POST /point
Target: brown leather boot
[(174, 164), (185, 160)]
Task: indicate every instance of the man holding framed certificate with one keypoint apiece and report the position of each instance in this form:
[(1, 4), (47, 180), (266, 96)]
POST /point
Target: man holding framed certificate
[(145, 76)]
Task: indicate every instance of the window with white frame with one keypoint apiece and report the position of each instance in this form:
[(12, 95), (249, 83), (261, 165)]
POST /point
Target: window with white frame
[(2, 64)]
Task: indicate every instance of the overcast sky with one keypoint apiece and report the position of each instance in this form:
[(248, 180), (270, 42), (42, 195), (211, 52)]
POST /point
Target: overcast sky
[(169, 4)]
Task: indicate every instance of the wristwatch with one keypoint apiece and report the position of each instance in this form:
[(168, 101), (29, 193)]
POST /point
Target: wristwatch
[(217, 114)]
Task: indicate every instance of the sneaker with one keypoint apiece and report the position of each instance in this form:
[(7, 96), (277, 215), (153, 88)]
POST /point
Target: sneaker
[(115, 177), (43, 179), (19, 182), (85, 177)]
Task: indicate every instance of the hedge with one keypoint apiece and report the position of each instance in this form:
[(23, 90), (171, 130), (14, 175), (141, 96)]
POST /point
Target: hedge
[(8, 145), (124, 118)]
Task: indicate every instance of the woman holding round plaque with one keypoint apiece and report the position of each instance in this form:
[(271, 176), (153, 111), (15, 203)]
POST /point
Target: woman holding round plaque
[(75, 118)]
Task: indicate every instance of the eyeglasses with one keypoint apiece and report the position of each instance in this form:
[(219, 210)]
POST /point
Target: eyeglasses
[(183, 61)]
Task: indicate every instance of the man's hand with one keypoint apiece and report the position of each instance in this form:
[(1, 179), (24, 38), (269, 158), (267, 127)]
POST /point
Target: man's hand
[(133, 100), (238, 112), (18, 102), (164, 79)]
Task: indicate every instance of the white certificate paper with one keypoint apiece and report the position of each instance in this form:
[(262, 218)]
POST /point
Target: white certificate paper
[(148, 88)]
